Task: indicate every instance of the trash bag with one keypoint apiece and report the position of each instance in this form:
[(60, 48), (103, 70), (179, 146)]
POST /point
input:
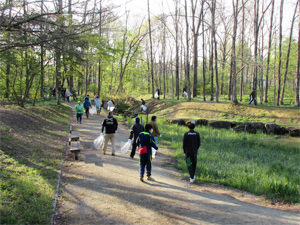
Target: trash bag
[(110, 108), (153, 153), (144, 107), (98, 142), (125, 146), (156, 95), (92, 111)]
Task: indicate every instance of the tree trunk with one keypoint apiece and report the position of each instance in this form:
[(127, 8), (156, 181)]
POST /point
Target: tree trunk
[(256, 30), (269, 53), (151, 54), (187, 54), (233, 55), (177, 52), (242, 54), (204, 60), (297, 103), (288, 55), (279, 62)]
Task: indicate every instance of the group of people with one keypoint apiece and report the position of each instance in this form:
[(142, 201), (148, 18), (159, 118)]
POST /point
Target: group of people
[(143, 137), (146, 139), (85, 107)]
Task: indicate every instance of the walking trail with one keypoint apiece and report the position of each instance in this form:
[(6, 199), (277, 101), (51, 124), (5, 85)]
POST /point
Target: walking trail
[(105, 189)]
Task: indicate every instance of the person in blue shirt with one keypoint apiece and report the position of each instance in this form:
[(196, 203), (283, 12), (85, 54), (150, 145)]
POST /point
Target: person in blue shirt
[(146, 143)]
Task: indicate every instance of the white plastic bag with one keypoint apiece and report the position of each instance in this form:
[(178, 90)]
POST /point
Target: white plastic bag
[(110, 108), (125, 146), (153, 153), (144, 107), (156, 95), (92, 111), (98, 142)]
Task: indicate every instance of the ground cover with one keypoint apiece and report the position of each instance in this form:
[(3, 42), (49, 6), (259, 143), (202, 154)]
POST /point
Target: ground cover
[(31, 147)]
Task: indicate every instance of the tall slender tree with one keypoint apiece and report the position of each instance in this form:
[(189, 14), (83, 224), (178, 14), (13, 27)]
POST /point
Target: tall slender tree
[(297, 103), (269, 52), (288, 55), (151, 49), (280, 52)]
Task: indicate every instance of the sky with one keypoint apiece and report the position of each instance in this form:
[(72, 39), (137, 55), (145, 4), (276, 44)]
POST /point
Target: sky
[(140, 7)]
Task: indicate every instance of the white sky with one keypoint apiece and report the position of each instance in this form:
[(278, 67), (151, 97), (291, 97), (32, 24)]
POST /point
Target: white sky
[(139, 7)]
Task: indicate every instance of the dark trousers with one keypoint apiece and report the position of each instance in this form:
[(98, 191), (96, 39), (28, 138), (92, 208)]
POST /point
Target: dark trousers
[(191, 162), (79, 117), (253, 99), (134, 145), (145, 161)]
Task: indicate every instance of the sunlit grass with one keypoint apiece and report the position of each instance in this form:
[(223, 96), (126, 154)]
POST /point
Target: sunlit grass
[(239, 161)]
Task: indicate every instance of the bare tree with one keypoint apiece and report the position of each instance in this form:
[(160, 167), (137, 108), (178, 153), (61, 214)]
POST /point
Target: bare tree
[(233, 54), (288, 55), (195, 32), (187, 71), (298, 66), (269, 52), (151, 54), (280, 52)]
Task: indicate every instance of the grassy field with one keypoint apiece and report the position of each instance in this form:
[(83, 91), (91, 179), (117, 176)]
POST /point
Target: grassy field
[(32, 144)]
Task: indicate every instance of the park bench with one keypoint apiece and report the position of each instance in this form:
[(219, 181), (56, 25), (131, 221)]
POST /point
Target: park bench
[(75, 148), (74, 142)]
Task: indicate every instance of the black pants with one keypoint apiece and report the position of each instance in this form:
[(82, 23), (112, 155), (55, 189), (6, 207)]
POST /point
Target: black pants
[(79, 117), (191, 162), (134, 145)]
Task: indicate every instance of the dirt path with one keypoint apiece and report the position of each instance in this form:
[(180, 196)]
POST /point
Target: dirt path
[(105, 189)]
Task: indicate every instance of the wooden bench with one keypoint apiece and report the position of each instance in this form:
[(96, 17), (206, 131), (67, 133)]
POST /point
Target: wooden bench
[(73, 137), (75, 148)]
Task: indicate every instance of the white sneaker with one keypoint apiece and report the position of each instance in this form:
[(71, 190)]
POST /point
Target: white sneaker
[(192, 180)]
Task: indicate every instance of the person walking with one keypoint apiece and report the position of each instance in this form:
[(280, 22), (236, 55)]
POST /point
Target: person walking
[(68, 95), (157, 93), (155, 132), (253, 97), (86, 106), (191, 144), (79, 110), (136, 129), (144, 107), (110, 105), (146, 143), (111, 125), (184, 93), (97, 103)]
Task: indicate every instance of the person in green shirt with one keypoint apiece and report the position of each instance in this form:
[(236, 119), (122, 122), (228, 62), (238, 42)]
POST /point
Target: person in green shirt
[(80, 111)]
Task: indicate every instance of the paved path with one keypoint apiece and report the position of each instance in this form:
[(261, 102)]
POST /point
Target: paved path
[(105, 189)]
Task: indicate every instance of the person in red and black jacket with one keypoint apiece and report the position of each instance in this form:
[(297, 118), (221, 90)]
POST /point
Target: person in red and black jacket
[(191, 144), (146, 142)]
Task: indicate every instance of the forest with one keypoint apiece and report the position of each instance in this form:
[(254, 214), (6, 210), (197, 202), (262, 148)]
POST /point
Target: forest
[(216, 49)]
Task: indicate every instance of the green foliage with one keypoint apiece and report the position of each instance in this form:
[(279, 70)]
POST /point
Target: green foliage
[(227, 158)]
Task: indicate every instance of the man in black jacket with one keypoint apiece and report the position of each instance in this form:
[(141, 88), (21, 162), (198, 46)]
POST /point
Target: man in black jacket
[(253, 97), (111, 126), (137, 128), (191, 144)]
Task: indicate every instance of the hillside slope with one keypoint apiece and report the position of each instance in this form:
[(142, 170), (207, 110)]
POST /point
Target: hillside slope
[(224, 111)]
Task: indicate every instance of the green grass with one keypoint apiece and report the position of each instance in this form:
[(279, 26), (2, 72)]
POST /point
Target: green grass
[(30, 154), (230, 159)]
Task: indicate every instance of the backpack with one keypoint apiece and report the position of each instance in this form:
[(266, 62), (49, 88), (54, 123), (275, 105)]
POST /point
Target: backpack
[(86, 104)]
